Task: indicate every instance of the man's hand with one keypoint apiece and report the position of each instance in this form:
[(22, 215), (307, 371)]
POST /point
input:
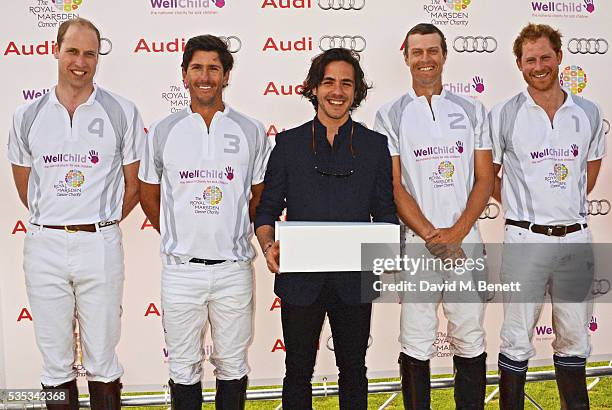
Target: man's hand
[(272, 255), (445, 243)]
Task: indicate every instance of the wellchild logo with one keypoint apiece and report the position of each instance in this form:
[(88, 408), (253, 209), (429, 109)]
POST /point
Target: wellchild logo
[(554, 153), (29, 95), (68, 159), (573, 79), (229, 173), (447, 12), (433, 152), (564, 8), (186, 7), (477, 85)]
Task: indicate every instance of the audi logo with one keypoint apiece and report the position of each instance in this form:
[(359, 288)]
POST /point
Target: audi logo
[(106, 46), (491, 211), (342, 4), (600, 286), (330, 342), (587, 46), (355, 43), (474, 44), (599, 207), (234, 44), (606, 126)]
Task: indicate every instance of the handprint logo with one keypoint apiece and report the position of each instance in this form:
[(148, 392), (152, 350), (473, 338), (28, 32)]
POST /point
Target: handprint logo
[(219, 3), (590, 5), (459, 145), (229, 173), (478, 84), (593, 324), (575, 150), (93, 157)]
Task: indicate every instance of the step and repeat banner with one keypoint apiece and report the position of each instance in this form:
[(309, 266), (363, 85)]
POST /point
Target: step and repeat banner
[(274, 41)]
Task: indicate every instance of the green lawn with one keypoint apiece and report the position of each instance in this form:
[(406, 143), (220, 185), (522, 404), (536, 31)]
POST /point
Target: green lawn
[(545, 393)]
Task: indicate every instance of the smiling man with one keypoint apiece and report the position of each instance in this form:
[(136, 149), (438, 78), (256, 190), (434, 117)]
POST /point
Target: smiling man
[(550, 143), (75, 155), (336, 170), (442, 180), (202, 170)]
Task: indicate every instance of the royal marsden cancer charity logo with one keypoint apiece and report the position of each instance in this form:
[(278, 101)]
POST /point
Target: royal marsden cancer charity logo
[(563, 8), (447, 12), (51, 13), (186, 7), (208, 202), (71, 185), (177, 98), (443, 175), (573, 79), (558, 176)]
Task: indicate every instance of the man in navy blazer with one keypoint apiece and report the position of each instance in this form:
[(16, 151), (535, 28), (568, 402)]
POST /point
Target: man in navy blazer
[(329, 169)]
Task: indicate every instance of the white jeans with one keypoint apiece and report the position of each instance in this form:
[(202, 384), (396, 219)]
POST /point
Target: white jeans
[(80, 274), (419, 320), (223, 294), (534, 267)]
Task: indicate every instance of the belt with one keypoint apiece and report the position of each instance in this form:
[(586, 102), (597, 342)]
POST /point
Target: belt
[(548, 230), (207, 261), (77, 228)]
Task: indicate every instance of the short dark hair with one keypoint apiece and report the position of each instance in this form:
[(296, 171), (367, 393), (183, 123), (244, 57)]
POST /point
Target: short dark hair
[(208, 42), (533, 32), (426, 28), (63, 28), (317, 72)]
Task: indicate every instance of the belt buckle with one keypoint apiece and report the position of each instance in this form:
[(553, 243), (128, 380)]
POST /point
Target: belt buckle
[(563, 227), (67, 229)]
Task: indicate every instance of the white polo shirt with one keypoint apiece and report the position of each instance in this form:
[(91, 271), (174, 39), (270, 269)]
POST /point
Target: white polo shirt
[(544, 164), (206, 178), (436, 147), (76, 172)]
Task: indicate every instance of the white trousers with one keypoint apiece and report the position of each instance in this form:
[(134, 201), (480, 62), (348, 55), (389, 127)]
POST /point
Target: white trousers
[(80, 274), (419, 320), (193, 294), (534, 267)]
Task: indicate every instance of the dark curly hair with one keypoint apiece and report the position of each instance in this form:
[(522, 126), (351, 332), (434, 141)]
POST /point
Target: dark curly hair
[(317, 71), (208, 42)]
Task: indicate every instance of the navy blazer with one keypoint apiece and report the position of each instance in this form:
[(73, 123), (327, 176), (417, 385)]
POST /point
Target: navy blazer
[(349, 182)]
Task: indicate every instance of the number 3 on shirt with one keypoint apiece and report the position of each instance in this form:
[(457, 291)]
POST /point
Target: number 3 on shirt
[(232, 144)]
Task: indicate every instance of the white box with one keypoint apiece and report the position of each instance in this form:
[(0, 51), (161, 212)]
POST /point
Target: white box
[(329, 246)]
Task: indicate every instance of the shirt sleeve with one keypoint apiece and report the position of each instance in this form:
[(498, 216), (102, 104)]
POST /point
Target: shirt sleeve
[(273, 197), (382, 124), (18, 145), (597, 145), (133, 139), (497, 139), (382, 205), (482, 134), (151, 166), (262, 154)]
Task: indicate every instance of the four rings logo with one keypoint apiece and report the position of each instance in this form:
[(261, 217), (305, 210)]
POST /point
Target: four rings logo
[(355, 43), (600, 286), (587, 46), (330, 342), (234, 44), (491, 211), (106, 46), (342, 4), (474, 44), (599, 207)]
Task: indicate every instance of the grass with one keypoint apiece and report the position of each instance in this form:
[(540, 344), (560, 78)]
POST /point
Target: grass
[(545, 393)]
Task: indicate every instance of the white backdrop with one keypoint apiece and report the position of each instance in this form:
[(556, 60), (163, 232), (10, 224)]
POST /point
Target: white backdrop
[(144, 65)]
